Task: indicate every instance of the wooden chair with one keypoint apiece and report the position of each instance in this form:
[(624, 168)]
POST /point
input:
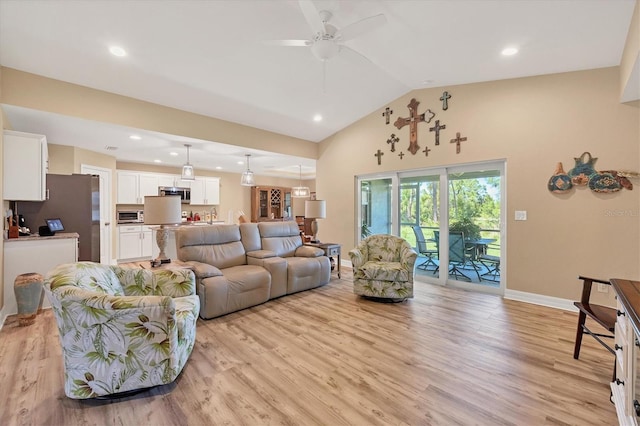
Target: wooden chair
[(603, 315)]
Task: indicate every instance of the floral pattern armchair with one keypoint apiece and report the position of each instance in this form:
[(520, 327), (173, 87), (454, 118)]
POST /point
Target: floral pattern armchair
[(122, 329), (383, 267)]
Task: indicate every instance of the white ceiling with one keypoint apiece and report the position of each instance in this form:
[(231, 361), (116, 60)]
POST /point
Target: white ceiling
[(213, 58)]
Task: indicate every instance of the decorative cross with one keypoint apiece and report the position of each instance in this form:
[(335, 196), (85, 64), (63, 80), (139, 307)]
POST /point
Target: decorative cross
[(401, 155), (413, 120), (379, 154), (387, 112), (437, 129), (393, 139), (445, 97), (426, 151), (457, 141)]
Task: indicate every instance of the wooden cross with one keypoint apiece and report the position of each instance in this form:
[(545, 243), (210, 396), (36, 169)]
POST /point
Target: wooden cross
[(445, 97), (426, 151), (387, 112), (437, 129), (393, 139), (401, 155), (413, 120), (379, 154), (457, 141)]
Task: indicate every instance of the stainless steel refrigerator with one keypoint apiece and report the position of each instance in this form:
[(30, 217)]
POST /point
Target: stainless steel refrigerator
[(75, 199)]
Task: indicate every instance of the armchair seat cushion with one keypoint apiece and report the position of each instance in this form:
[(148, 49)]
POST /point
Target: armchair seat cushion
[(383, 271)]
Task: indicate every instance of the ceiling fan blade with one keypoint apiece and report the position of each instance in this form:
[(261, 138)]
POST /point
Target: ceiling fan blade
[(365, 25), (289, 43), (312, 16)]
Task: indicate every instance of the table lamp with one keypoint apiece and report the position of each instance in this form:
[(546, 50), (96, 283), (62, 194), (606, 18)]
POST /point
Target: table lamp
[(162, 211), (315, 209)]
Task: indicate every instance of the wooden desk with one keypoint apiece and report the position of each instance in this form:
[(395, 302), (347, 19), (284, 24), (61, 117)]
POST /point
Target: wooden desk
[(330, 250)]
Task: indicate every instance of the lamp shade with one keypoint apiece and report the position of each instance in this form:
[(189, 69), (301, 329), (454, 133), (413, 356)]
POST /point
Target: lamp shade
[(162, 210), (316, 209)]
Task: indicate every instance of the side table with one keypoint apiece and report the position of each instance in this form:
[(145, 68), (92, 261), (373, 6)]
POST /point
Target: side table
[(174, 264), (330, 250)]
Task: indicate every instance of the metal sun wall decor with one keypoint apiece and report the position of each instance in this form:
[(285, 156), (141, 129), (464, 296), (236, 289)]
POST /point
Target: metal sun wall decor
[(584, 173), (412, 121)]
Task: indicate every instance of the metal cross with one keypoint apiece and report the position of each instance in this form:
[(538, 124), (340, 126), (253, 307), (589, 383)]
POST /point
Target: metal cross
[(401, 155), (445, 97), (426, 151), (379, 154), (387, 112), (457, 141), (437, 129), (413, 120), (393, 139)]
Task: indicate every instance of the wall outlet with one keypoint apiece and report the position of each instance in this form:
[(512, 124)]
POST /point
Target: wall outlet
[(521, 215), (603, 288)]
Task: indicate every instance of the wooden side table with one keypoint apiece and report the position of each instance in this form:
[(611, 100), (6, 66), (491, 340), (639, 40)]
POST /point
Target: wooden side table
[(330, 250), (174, 264)]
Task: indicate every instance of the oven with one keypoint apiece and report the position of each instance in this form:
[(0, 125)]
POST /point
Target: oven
[(130, 216)]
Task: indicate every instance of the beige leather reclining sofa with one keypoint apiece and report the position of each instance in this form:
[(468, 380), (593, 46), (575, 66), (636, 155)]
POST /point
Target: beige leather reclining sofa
[(239, 266)]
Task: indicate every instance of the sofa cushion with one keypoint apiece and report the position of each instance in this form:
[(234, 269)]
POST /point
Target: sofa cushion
[(383, 271), (283, 238), (218, 245)]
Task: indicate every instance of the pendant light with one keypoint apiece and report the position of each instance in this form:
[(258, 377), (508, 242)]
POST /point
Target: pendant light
[(247, 175), (187, 169), (300, 191)]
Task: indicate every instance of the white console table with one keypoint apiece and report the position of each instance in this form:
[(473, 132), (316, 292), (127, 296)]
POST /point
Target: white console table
[(34, 254)]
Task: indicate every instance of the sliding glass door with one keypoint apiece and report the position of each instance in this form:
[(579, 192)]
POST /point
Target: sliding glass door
[(452, 217)]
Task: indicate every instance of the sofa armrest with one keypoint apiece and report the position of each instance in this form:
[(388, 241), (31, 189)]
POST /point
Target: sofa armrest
[(261, 254), (204, 270), (357, 258), (308, 251)]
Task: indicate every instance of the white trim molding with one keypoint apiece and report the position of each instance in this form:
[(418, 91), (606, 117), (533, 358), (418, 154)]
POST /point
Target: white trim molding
[(539, 299)]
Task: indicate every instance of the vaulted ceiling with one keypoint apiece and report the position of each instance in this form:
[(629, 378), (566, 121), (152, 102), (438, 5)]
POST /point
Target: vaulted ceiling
[(219, 58)]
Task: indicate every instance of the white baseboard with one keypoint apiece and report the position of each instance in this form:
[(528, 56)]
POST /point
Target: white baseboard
[(539, 299)]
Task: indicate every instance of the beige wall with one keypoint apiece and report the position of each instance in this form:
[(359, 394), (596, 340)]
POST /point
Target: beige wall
[(533, 123), (45, 94)]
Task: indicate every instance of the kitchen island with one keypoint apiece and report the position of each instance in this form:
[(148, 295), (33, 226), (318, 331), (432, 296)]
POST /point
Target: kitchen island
[(34, 254)]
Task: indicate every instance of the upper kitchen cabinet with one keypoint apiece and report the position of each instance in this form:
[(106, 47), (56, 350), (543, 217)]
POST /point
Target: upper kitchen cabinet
[(134, 186), (25, 166), (205, 191)]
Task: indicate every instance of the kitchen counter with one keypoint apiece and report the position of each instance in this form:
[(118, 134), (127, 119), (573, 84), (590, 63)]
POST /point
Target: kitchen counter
[(36, 237)]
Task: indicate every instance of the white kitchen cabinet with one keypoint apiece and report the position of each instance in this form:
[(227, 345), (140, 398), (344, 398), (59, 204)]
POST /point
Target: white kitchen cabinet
[(205, 191), (25, 166), (132, 186), (134, 242), (35, 254)]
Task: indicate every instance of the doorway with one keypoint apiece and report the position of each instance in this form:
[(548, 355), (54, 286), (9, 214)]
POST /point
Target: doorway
[(105, 209), (452, 216)]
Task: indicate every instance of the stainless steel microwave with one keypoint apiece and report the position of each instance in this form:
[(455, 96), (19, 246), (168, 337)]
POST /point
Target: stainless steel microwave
[(130, 216), (183, 193)]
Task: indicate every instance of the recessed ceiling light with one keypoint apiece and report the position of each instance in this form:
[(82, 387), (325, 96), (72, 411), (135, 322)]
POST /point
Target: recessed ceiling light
[(317, 118), (157, 161), (508, 51), (240, 162), (117, 51), (135, 137), (218, 168), (425, 82), (173, 154)]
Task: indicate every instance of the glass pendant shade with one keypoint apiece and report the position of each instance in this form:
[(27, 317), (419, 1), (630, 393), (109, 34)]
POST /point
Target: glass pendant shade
[(247, 176), (187, 169), (300, 191)]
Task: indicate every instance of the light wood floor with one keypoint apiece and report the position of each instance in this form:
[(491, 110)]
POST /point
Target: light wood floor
[(327, 357)]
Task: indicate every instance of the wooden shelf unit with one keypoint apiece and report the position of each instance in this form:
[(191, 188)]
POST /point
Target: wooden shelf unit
[(270, 203)]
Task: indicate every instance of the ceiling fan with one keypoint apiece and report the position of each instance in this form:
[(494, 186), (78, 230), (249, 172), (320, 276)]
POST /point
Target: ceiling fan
[(327, 39)]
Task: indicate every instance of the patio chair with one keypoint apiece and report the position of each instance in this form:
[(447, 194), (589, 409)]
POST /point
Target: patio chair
[(421, 247), (492, 264), (460, 257)]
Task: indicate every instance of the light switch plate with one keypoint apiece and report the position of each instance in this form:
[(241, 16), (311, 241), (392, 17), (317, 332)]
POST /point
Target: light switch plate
[(603, 288), (521, 215)]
